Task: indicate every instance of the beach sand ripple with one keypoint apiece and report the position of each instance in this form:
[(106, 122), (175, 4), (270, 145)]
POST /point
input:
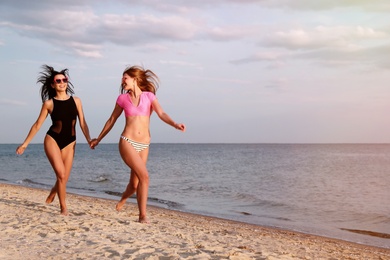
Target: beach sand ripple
[(31, 229)]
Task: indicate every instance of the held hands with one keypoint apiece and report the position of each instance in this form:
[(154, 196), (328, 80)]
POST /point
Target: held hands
[(93, 143)]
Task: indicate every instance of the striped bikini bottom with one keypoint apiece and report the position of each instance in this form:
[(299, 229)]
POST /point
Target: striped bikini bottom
[(137, 146)]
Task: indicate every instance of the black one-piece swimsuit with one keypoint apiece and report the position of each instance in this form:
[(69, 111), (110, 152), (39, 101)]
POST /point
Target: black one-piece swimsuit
[(63, 116)]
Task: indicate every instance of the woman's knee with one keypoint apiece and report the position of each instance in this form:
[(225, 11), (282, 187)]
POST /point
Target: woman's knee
[(132, 186), (141, 175), (62, 176), (144, 178)]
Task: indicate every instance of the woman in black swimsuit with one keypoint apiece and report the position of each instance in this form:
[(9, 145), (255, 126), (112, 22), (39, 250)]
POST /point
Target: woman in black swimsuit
[(60, 140)]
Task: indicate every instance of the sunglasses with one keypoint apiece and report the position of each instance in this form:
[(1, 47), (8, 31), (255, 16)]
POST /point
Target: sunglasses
[(64, 80)]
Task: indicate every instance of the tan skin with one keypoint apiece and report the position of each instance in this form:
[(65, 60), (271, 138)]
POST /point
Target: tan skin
[(136, 129), (60, 160)]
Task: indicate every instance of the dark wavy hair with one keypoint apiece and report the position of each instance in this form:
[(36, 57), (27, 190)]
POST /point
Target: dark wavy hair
[(46, 78), (146, 79)]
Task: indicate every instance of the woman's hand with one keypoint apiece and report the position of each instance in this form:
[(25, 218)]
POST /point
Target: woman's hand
[(20, 149), (93, 143), (180, 127)]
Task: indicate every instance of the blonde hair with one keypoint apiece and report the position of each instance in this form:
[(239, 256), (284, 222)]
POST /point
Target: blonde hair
[(146, 79)]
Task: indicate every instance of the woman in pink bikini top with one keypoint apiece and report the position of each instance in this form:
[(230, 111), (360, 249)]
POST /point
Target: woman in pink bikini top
[(138, 100)]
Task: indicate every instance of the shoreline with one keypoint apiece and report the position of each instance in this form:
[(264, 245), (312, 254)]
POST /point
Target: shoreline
[(31, 229)]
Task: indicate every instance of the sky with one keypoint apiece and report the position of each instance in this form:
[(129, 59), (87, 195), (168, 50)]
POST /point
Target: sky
[(233, 71)]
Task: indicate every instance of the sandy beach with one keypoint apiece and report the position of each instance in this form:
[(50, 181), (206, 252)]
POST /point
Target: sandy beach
[(31, 229)]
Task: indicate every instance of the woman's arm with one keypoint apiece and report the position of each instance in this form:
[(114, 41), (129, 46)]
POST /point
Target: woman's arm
[(82, 121), (36, 126), (108, 126), (165, 117)]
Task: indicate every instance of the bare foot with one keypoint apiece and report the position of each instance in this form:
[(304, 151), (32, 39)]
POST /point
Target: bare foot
[(144, 220), (50, 198), (120, 205), (64, 213)]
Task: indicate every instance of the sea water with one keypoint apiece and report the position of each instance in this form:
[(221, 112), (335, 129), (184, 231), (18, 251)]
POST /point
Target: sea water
[(334, 190)]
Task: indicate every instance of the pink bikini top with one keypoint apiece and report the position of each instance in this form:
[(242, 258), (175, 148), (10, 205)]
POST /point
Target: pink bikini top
[(144, 107)]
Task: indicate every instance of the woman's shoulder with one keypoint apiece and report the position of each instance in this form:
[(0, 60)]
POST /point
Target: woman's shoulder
[(122, 95), (149, 95), (122, 99), (77, 100), (48, 102)]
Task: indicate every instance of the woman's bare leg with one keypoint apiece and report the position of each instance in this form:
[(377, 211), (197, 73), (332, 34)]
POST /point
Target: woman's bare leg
[(52, 194), (61, 161), (130, 190), (137, 162)]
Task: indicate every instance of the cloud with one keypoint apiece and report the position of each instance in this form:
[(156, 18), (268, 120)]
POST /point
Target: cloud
[(170, 6), (132, 29), (184, 7), (153, 47), (86, 50), (345, 37), (279, 84), (275, 59), (39, 5), (67, 30), (178, 6), (372, 5), (329, 46), (91, 27), (84, 33), (226, 33)]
